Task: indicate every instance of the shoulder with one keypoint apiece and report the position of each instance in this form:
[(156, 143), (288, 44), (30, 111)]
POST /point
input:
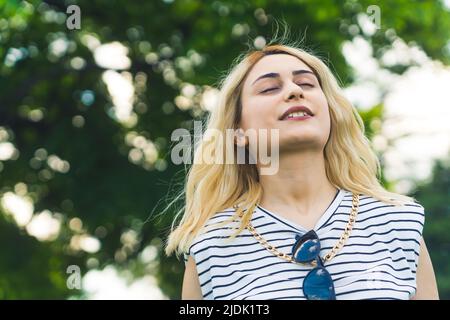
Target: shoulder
[(218, 227), (373, 212), (370, 204)]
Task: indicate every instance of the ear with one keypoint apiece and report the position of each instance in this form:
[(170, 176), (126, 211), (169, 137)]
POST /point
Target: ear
[(239, 138)]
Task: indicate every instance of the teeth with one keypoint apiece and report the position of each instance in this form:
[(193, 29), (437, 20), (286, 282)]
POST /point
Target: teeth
[(297, 114)]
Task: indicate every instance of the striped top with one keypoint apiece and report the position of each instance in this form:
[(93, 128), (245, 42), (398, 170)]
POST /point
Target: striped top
[(378, 261)]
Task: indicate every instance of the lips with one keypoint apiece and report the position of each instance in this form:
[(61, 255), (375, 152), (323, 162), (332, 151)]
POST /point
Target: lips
[(296, 109)]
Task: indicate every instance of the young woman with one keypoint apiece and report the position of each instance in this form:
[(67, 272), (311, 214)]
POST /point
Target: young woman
[(321, 226)]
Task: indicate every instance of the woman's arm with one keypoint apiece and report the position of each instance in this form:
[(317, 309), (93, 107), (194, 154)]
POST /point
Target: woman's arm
[(191, 285), (426, 280)]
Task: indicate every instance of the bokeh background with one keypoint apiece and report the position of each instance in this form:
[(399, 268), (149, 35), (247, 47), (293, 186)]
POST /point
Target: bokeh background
[(86, 117)]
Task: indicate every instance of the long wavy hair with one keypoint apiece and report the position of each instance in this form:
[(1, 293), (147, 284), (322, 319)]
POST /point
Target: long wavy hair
[(350, 162)]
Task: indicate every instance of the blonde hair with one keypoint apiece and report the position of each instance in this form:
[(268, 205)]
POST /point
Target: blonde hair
[(350, 163)]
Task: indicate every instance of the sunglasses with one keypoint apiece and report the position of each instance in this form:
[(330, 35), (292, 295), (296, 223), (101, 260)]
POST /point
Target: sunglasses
[(318, 284)]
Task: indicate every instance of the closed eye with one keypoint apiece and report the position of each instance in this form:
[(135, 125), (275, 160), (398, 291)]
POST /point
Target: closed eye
[(267, 90), (300, 84)]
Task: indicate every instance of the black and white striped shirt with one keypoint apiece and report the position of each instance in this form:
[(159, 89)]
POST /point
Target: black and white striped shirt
[(378, 261)]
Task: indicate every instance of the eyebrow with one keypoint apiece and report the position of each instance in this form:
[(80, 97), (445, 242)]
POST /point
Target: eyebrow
[(277, 75)]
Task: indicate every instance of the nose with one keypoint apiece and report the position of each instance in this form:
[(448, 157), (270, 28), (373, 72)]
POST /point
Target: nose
[(293, 91)]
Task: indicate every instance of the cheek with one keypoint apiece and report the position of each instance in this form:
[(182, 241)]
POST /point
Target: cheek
[(321, 104), (321, 100), (257, 113)]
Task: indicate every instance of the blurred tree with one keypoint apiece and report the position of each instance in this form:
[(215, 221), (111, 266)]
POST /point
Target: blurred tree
[(86, 135)]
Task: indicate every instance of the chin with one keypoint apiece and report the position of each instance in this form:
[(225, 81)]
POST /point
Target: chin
[(292, 142)]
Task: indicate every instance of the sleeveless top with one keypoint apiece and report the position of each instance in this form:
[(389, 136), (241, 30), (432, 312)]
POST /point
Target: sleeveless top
[(378, 261)]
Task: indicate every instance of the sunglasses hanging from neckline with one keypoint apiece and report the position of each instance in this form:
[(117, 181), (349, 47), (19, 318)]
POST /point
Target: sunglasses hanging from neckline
[(318, 284)]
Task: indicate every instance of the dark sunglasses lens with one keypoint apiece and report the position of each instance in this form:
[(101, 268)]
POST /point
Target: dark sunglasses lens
[(306, 248), (318, 285)]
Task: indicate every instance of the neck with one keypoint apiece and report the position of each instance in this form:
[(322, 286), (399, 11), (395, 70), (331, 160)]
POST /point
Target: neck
[(300, 183)]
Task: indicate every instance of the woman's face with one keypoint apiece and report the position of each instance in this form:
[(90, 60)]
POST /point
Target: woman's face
[(271, 88)]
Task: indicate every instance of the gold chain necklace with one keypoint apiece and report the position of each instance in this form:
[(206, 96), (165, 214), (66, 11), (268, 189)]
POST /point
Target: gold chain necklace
[(330, 255)]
